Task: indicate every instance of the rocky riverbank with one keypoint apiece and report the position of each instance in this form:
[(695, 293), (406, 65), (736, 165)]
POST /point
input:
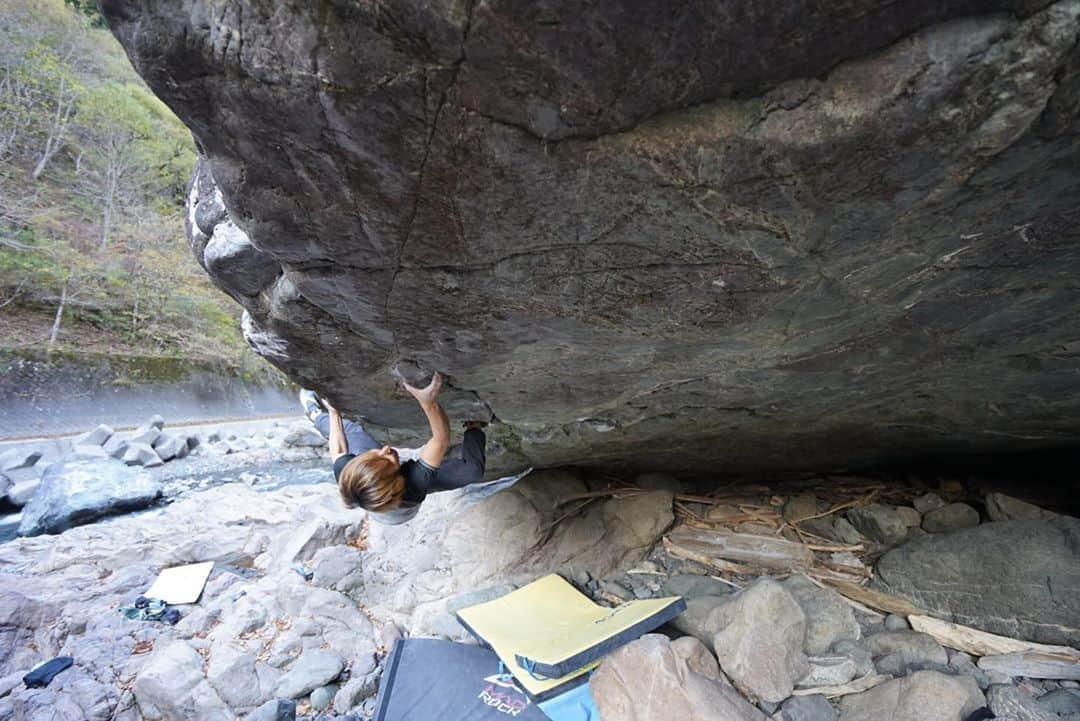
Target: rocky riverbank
[(801, 600), (47, 486)]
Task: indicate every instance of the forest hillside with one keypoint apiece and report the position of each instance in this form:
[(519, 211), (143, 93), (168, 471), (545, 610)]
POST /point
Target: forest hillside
[(93, 172)]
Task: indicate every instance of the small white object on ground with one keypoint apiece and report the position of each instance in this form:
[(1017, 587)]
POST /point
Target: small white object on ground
[(181, 584)]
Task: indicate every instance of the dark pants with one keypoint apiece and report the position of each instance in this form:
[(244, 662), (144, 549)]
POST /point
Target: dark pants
[(453, 473)]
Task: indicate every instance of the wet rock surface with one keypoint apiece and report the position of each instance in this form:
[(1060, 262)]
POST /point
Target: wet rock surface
[(662, 245)]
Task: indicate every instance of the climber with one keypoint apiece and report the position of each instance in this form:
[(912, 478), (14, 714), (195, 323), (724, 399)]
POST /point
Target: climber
[(376, 478)]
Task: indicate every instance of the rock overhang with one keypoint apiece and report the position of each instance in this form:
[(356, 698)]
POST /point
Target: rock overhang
[(750, 237)]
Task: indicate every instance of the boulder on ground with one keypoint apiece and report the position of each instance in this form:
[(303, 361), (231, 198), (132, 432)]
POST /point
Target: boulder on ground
[(145, 435), (878, 523), (690, 586), (355, 691), (760, 639), (847, 533), (77, 493), (23, 492), (156, 421), (1061, 701), (1009, 702), (339, 568), (927, 502), (170, 447), (698, 657), (950, 518), (116, 446), (828, 671), (15, 459), (910, 517), (141, 454), (316, 667), (922, 696), (303, 435), (1000, 507), (96, 437), (697, 619), (814, 707), (171, 687), (675, 691), (1015, 578), (87, 453), (912, 648), (829, 617), (280, 709)]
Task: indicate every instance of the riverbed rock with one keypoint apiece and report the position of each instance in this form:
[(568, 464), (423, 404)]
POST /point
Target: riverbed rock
[(355, 691), (279, 709), (141, 454), (21, 493), (922, 696), (313, 669), (1060, 701), (116, 446), (697, 620), (828, 671), (846, 532), (96, 437), (950, 518), (406, 565), (927, 502), (77, 493), (698, 657), (170, 447), (910, 517), (895, 652), (87, 453), (829, 617), (145, 435), (879, 523), (1000, 507), (995, 577), (303, 435), (17, 458), (339, 568), (814, 707), (763, 659), (675, 690), (171, 687), (1008, 701), (724, 260)]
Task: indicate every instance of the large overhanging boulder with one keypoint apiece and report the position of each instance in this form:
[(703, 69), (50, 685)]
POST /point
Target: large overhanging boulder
[(718, 236)]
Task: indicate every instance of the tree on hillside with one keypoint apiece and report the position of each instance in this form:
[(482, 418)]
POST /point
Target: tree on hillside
[(113, 140)]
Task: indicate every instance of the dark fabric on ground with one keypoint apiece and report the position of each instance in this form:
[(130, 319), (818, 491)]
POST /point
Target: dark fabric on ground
[(427, 679), (43, 675)]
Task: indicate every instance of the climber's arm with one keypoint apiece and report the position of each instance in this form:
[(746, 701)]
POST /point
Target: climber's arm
[(338, 445), (434, 450)]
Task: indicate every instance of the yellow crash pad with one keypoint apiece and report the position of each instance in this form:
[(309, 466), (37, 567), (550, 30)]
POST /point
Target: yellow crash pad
[(548, 634)]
